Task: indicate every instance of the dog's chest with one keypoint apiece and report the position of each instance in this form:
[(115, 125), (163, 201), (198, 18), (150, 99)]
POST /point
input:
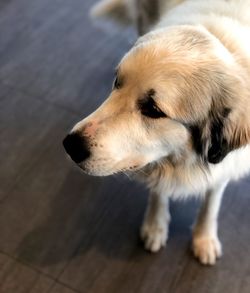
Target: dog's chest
[(177, 180)]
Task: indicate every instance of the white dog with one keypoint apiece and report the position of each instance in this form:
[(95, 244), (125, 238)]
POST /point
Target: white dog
[(178, 116)]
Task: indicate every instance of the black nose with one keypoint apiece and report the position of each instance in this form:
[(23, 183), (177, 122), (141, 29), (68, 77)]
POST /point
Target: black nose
[(76, 146)]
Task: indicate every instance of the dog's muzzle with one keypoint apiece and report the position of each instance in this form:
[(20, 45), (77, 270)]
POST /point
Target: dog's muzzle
[(77, 147)]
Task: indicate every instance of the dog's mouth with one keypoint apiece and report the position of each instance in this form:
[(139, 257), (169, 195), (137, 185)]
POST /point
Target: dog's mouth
[(107, 167), (95, 160)]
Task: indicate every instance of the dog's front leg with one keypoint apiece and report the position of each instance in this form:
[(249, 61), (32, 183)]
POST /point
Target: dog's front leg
[(206, 244), (154, 231)]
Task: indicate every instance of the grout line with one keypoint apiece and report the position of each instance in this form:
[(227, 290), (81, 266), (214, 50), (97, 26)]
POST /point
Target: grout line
[(25, 170), (56, 281), (62, 284), (19, 178), (16, 259)]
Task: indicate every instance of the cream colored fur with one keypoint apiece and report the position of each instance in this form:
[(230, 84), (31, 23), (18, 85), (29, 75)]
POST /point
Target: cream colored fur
[(197, 59)]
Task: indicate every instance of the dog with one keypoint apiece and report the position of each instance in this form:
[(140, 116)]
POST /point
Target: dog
[(178, 115)]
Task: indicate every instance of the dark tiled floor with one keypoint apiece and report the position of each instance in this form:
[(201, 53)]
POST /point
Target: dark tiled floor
[(62, 231)]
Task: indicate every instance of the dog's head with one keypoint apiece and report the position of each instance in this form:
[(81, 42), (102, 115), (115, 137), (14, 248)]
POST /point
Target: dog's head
[(178, 91)]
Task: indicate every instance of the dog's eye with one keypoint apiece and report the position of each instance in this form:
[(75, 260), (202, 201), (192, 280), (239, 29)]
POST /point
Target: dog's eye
[(117, 83), (149, 109)]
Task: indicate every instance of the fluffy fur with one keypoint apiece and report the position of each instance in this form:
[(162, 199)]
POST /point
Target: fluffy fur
[(178, 117)]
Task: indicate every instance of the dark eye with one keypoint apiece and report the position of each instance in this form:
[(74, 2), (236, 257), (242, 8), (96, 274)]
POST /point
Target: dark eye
[(149, 109), (117, 83)]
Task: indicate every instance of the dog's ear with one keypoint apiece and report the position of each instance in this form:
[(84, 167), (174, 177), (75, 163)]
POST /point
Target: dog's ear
[(224, 130), (236, 131), (219, 145), (208, 137)]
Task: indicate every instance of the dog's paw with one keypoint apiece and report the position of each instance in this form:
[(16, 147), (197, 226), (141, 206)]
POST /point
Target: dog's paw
[(207, 248), (154, 236)]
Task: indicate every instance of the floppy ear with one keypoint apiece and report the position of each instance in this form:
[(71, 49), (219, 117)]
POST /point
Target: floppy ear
[(219, 145), (236, 131), (224, 130), (208, 137)]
